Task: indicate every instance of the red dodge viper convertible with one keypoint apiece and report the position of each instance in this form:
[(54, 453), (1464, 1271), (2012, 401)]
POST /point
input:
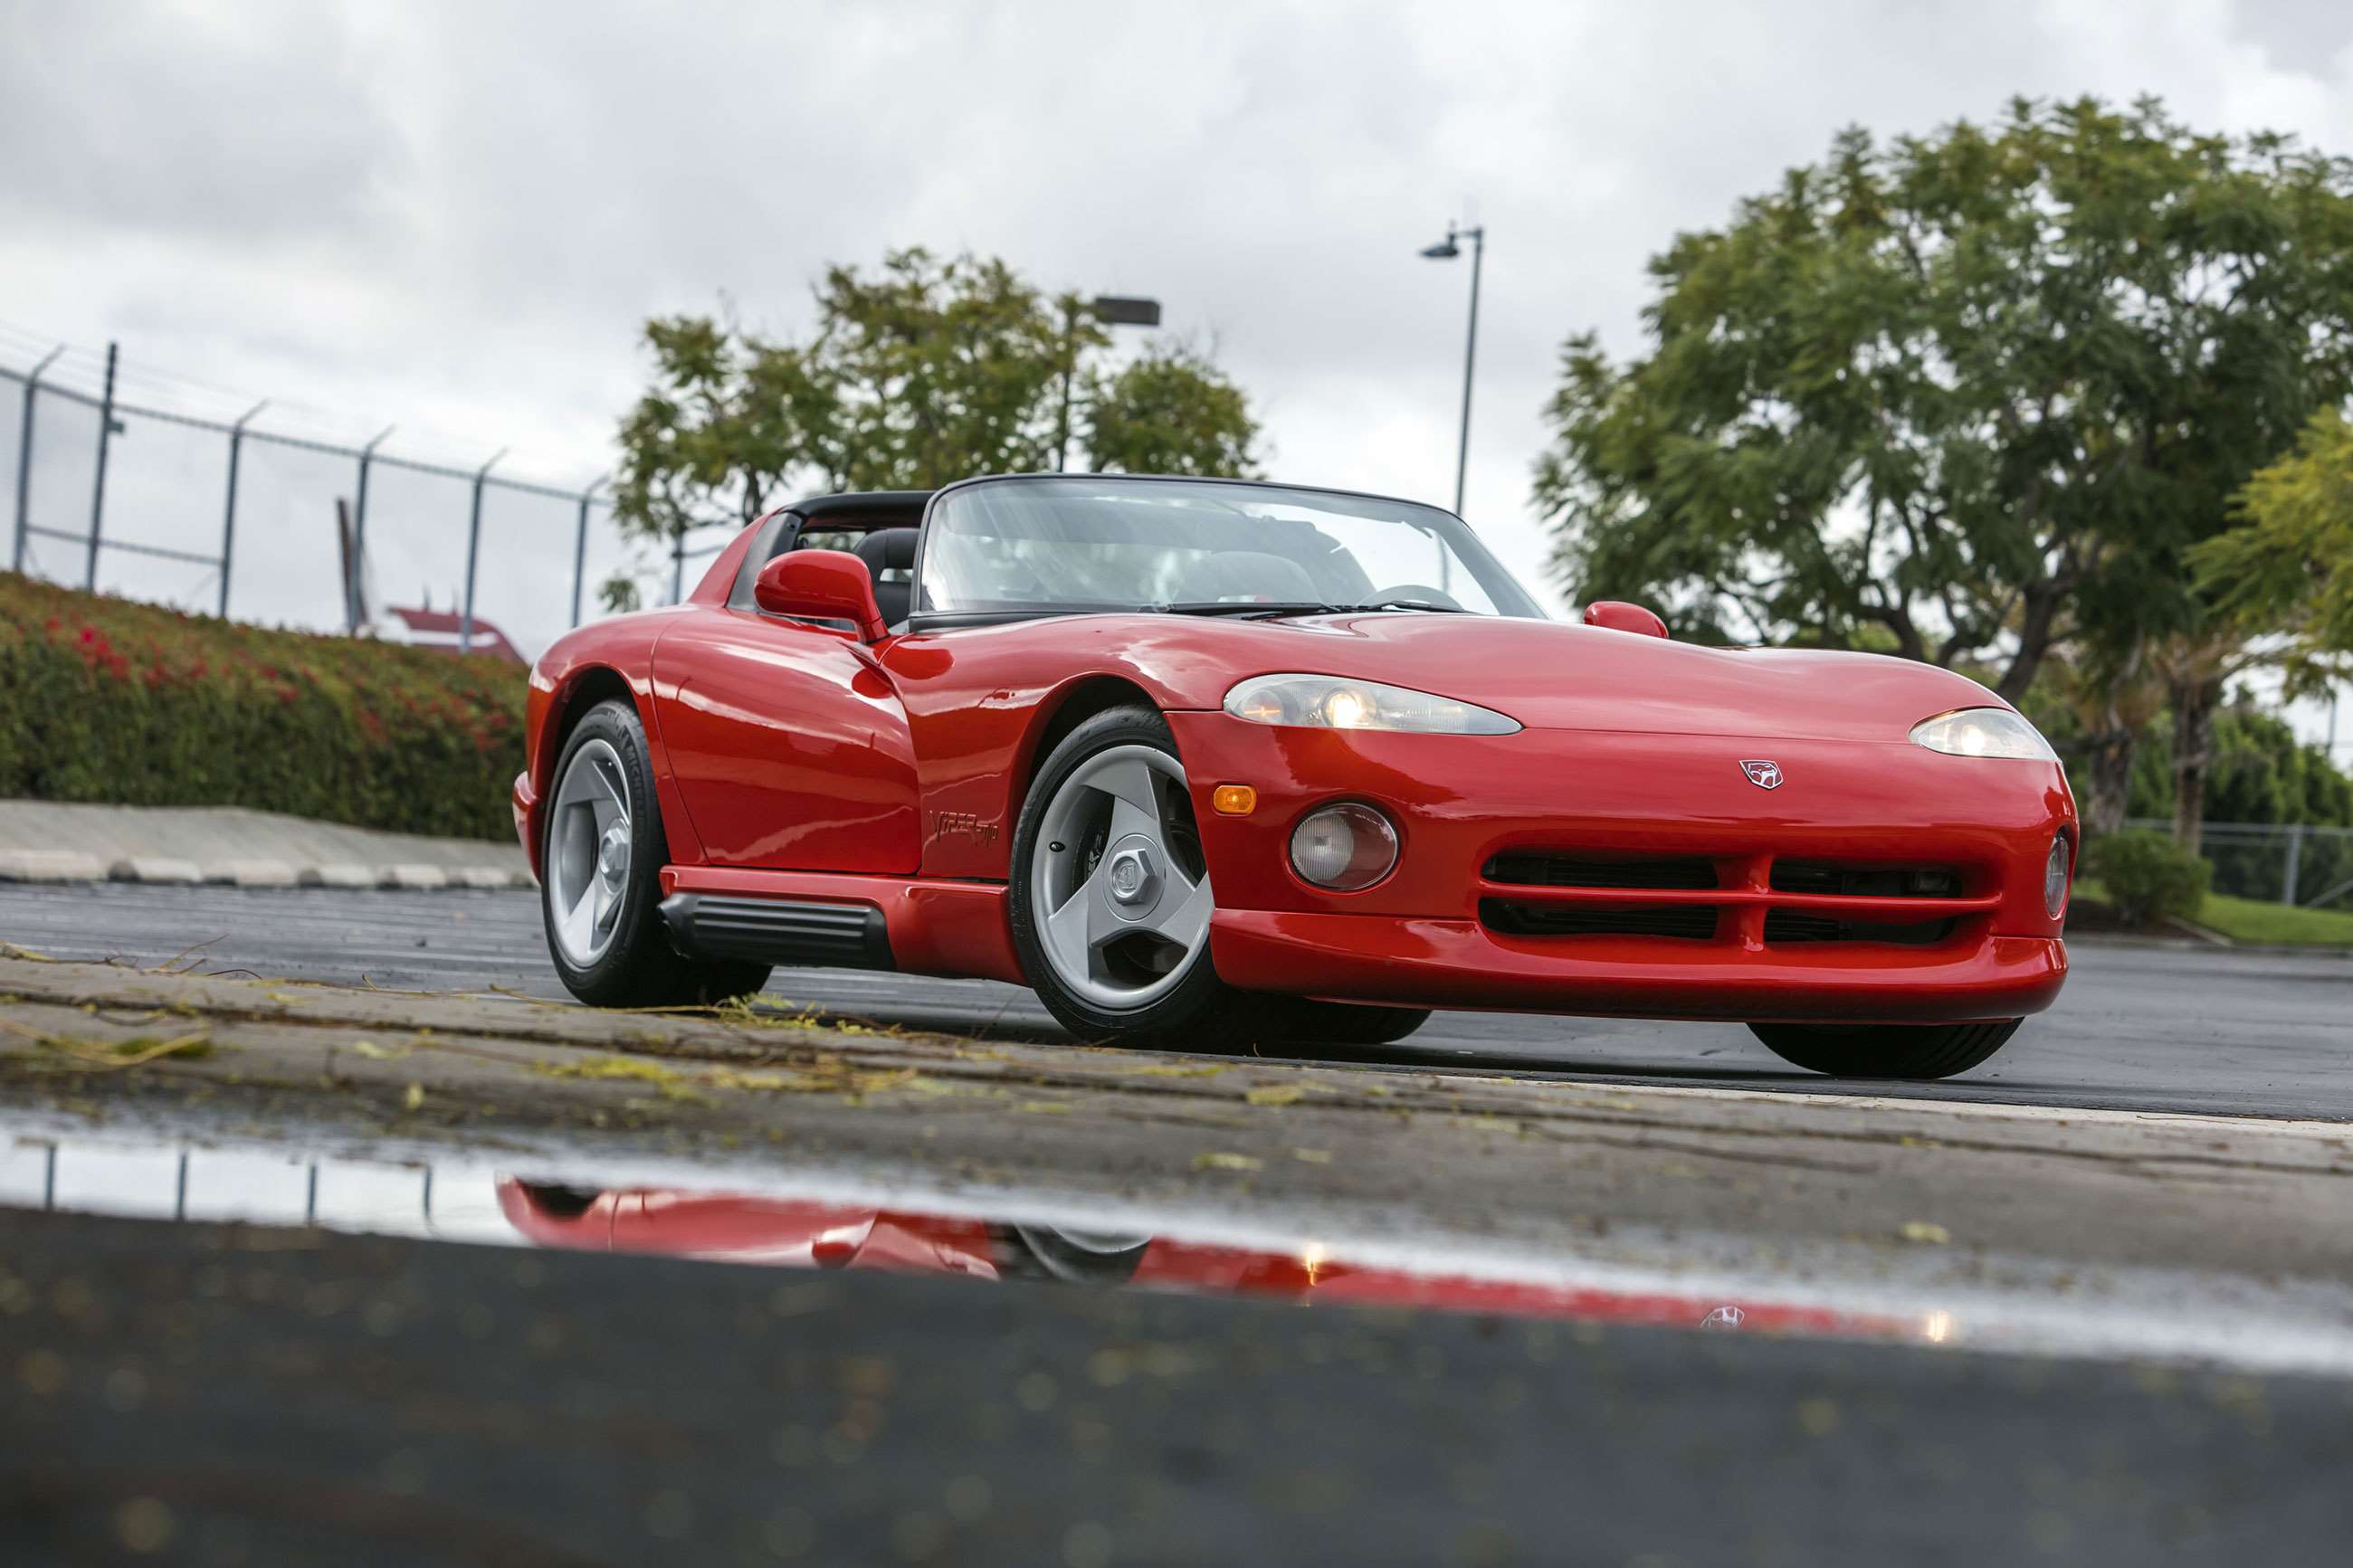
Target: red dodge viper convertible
[(1208, 761)]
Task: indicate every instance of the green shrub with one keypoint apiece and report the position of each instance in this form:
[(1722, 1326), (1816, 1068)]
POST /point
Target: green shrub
[(104, 699), (2149, 877)]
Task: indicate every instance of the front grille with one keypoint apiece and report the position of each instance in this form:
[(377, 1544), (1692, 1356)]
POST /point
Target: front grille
[(1803, 925), (1691, 922), (1866, 881), (1539, 871)]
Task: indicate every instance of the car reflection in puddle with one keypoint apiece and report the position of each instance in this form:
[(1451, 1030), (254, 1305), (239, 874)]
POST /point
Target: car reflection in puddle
[(744, 1227), (461, 1202)]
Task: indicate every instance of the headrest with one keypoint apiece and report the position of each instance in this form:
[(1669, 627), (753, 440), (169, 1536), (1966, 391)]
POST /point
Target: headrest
[(887, 548)]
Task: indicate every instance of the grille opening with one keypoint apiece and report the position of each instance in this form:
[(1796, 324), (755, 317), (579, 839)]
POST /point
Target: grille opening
[(1691, 922), (1866, 881), (1536, 869), (1803, 925)]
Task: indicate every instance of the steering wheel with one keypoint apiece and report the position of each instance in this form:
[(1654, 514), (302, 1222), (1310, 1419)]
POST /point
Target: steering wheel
[(1422, 591)]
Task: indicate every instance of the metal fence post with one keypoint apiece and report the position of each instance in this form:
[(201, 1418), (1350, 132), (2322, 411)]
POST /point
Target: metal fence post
[(473, 554), (580, 545), (677, 568), (228, 511), (98, 484), (359, 529), (2294, 858), (25, 457)]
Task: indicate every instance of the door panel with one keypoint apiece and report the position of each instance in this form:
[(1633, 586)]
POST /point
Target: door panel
[(789, 747)]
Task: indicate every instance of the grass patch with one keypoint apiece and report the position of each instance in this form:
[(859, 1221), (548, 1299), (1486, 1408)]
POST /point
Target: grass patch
[(2253, 919), (2248, 920)]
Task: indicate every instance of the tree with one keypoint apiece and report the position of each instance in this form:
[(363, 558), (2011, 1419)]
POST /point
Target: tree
[(1975, 393), (1170, 411), (2289, 566), (919, 372)]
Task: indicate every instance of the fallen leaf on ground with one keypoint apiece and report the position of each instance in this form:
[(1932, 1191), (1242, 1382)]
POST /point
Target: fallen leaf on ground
[(1275, 1094), (1223, 1161), (1926, 1232), (414, 1098)]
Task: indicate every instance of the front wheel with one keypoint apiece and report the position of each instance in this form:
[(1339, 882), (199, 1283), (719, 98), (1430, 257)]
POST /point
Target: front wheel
[(1914, 1051), (601, 856), (1111, 899)]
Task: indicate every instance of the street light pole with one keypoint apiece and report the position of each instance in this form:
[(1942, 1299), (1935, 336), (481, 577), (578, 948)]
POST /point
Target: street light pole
[(1112, 310), (1448, 250)]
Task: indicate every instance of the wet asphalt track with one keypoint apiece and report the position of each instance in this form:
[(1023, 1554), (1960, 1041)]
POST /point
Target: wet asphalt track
[(2151, 1028)]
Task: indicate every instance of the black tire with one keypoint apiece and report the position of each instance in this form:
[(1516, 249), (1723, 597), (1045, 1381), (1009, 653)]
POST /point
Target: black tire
[(1913, 1051), (1354, 1024), (1202, 1012), (641, 968), (1043, 1252), (560, 1202)]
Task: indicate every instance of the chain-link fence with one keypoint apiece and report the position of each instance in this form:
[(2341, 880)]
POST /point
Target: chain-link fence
[(2276, 863), (230, 516)]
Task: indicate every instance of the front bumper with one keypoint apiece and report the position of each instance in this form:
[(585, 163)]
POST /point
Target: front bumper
[(1461, 964), (1428, 935)]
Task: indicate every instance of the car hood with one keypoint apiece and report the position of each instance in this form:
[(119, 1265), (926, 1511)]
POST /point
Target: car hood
[(1549, 675)]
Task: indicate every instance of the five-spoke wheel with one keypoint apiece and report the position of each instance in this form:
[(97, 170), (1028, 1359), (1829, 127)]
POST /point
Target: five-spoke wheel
[(601, 854), (1124, 894), (1111, 896), (588, 845)]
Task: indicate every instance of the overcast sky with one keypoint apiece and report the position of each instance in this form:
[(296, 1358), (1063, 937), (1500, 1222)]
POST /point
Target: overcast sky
[(456, 215)]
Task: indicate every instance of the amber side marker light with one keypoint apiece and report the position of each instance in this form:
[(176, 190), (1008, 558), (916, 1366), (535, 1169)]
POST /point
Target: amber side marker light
[(1234, 800)]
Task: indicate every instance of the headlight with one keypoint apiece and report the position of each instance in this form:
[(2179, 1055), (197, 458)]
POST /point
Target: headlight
[(1984, 732), (1328, 702), (2054, 877)]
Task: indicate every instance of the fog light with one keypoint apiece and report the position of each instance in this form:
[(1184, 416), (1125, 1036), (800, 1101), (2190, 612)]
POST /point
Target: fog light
[(2054, 877), (1344, 847)]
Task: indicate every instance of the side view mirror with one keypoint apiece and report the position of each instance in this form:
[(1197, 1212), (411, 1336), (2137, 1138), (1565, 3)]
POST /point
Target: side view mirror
[(821, 585), (1617, 616)]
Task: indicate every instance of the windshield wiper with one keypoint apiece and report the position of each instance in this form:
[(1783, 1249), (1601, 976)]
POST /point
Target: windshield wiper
[(1300, 607), (1254, 607)]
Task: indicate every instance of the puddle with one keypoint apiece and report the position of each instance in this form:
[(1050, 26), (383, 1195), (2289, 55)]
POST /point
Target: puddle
[(461, 1201), (754, 1215)]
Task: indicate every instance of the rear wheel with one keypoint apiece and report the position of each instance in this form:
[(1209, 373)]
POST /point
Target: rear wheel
[(601, 857), (1913, 1051), (1354, 1024), (1110, 900)]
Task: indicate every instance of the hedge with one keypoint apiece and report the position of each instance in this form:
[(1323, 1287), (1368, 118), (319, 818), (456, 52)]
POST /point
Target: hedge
[(104, 699), (2148, 875)]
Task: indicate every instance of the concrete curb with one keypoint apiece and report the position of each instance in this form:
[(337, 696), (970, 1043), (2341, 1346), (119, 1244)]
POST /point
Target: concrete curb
[(60, 867), (50, 866), (70, 841)]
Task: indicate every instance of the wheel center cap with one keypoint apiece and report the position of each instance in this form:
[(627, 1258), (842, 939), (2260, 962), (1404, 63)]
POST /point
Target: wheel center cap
[(613, 854), (1133, 875)]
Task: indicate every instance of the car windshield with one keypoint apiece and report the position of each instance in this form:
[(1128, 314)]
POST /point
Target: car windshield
[(1055, 544)]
